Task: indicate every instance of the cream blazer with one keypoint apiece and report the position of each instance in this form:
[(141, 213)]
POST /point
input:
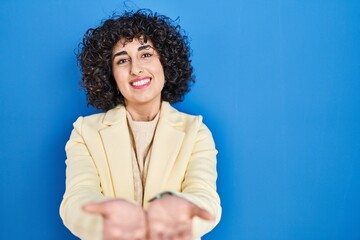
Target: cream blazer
[(99, 167)]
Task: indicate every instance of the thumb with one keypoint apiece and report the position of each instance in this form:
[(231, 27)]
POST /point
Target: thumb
[(95, 208), (202, 213)]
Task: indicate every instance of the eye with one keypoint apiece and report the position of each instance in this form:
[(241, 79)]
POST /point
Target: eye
[(146, 55), (122, 61)]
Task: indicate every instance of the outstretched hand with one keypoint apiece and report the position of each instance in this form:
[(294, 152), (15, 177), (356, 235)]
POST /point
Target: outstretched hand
[(122, 219), (170, 217)]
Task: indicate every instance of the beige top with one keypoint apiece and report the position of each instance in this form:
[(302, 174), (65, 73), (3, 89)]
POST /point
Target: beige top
[(142, 133)]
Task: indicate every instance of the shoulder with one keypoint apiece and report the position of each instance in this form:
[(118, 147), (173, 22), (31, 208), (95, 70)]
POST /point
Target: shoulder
[(90, 119), (176, 117), (184, 121), (100, 120), (196, 132)]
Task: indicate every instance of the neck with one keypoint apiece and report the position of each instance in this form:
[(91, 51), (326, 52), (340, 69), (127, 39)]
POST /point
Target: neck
[(143, 112)]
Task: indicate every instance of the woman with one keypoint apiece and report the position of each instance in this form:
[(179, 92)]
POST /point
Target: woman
[(141, 169)]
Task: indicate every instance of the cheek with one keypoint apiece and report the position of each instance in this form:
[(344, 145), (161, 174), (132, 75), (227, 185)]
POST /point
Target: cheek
[(159, 70), (120, 77)]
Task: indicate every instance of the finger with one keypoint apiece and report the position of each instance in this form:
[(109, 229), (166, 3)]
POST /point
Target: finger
[(202, 213), (184, 231), (183, 236), (95, 208), (156, 235), (140, 234)]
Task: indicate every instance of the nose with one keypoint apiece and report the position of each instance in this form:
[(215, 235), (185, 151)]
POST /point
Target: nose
[(136, 67)]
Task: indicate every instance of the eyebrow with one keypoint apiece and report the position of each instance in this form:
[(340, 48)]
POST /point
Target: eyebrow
[(143, 47)]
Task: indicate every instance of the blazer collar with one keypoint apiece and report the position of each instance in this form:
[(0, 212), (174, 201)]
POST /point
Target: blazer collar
[(115, 115), (117, 146), (167, 143)]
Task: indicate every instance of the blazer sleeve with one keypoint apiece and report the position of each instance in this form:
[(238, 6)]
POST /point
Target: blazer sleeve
[(199, 185), (82, 186)]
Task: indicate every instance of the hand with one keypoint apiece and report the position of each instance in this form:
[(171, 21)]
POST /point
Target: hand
[(122, 219), (170, 218)]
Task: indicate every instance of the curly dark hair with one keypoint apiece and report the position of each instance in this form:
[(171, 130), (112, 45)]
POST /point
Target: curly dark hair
[(95, 56)]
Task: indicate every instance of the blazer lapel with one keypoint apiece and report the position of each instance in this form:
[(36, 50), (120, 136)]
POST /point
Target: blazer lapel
[(118, 149), (166, 146)]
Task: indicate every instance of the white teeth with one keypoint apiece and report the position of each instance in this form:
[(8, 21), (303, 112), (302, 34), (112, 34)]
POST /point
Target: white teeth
[(141, 82)]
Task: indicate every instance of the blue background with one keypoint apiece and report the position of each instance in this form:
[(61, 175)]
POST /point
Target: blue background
[(278, 83)]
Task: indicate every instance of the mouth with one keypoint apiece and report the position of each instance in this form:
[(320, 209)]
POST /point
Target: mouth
[(140, 83)]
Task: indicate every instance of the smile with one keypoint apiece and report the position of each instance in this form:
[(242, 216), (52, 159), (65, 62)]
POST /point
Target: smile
[(140, 83)]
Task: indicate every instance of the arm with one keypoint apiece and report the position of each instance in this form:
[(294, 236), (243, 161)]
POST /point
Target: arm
[(82, 186), (85, 211), (198, 190), (199, 186)]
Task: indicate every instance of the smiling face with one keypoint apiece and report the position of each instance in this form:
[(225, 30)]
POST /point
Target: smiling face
[(138, 72)]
